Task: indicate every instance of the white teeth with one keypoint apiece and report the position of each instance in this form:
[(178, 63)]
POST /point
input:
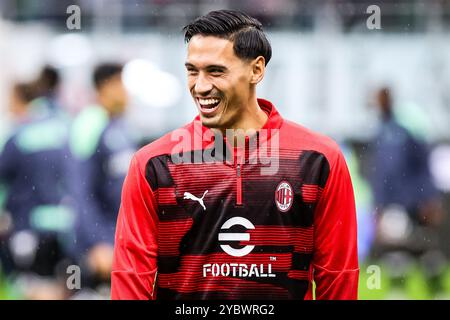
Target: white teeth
[(208, 101)]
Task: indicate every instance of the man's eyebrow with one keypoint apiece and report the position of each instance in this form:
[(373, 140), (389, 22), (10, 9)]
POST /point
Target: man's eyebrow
[(211, 66), (216, 66)]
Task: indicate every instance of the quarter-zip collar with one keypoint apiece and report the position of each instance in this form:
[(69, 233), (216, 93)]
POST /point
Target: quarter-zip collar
[(273, 123)]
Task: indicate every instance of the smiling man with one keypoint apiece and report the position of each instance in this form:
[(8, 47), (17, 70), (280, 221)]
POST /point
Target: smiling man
[(224, 227), (223, 80)]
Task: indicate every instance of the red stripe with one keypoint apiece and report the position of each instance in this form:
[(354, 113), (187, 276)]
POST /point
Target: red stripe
[(186, 173), (311, 193), (298, 274), (166, 196), (233, 286), (239, 183), (171, 232), (301, 238), (239, 191)]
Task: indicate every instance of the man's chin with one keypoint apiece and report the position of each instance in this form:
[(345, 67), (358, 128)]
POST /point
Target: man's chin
[(210, 122)]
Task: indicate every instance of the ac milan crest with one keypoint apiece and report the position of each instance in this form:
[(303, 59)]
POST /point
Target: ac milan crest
[(284, 196)]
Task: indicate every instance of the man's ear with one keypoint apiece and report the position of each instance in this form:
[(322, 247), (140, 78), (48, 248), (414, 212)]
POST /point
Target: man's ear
[(258, 69)]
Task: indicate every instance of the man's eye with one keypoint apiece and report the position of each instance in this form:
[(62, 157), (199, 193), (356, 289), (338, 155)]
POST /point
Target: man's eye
[(192, 71), (216, 72)]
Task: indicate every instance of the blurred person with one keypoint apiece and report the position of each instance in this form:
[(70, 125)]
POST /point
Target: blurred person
[(401, 172), (102, 148), (20, 96), (37, 222), (293, 224), (408, 206), (363, 200), (47, 90)]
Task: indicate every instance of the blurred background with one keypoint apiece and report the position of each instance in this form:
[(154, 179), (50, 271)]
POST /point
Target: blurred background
[(83, 84)]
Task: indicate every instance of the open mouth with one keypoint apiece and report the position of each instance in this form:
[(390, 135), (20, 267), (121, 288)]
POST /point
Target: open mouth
[(208, 105)]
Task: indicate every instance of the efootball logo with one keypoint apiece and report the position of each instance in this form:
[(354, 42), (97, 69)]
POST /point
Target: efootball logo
[(236, 236), (284, 196), (237, 269)]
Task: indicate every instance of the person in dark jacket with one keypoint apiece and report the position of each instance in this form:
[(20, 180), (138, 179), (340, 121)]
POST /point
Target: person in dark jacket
[(32, 166), (102, 149)]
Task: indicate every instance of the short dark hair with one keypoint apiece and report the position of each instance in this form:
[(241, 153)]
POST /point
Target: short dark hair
[(105, 72), (244, 31), (47, 81), (50, 76)]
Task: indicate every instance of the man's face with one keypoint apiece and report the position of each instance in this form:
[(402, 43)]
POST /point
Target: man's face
[(114, 95), (219, 81)]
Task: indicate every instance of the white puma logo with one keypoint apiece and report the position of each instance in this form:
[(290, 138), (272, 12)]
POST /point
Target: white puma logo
[(190, 196)]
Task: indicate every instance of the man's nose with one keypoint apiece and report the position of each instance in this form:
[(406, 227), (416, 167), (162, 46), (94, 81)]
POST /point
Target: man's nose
[(203, 86)]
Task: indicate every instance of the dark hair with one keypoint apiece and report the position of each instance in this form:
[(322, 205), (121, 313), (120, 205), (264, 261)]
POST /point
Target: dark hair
[(244, 31), (105, 72), (50, 76), (47, 81)]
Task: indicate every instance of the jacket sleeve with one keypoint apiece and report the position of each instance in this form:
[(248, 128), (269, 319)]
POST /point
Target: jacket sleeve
[(8, 168), (8, 161), (94, 223), (135, 252), (335, 260)]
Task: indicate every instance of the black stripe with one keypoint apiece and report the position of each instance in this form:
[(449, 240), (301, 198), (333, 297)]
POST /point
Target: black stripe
[(314, 168), (301, 261), (157, 172), (304, 216), (168, 213), (168, 264)]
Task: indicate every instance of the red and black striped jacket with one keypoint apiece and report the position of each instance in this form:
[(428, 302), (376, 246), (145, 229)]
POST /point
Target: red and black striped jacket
[(200, 219)]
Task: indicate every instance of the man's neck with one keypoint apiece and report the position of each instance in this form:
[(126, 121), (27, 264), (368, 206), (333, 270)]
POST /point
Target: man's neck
[(106, 106), (253, 119)]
